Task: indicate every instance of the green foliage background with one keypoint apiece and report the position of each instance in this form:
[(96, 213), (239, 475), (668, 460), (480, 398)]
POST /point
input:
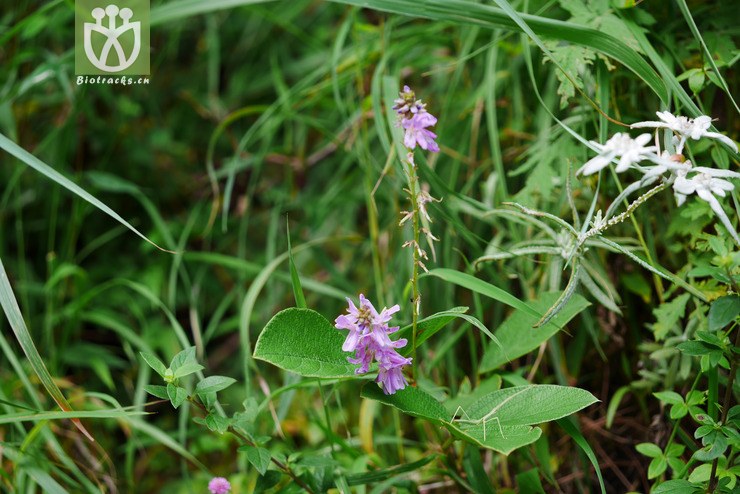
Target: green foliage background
[(257, 111)]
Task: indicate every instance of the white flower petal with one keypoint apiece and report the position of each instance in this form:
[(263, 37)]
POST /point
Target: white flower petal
[(595, 164), (717, 208), (684, 186), (722, 138), (640, 125), (717, 172), (643, 139)]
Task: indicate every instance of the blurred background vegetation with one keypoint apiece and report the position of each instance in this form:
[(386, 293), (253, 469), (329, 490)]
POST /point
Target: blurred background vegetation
[(285, 103)]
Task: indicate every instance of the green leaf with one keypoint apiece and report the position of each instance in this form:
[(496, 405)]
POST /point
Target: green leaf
[(574, 60), (517, 337), (649, 449), (574, 432), (18, 325), (386, 473), (668, 315), (678, 411), (295, 279), (429, 326), (186, 369), (479, 286), (657, 466), (418, 403), (677, 487), (258, 457), (502, 419), (185, 356), (531, 404), (464, 400), (529, 482), (304, 342), (217, 423), (153, 362), (411, 401), (723, 311), (670, 397), (694, 348), (176, 394), (158, 391), (214, 384), (41, 167)]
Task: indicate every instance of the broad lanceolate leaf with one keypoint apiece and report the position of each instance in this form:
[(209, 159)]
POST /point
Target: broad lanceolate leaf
[(158, 391), (411, 401), (517, 337), (501, 420), (213, 384), (153, 362), (186, 356), (304, 342), (187, 368)]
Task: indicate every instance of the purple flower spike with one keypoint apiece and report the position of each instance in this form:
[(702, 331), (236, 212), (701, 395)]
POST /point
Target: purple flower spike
[(414, 118), (219, 485), (368, 338)]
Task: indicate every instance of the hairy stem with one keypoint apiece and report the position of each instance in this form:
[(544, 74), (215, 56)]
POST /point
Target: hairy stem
[(415, 302)]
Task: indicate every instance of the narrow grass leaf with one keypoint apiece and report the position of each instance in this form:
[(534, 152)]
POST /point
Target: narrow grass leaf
[(295, 280), (479, 286), (386, 473), (471, 13), (567, 425), (179, 9), (18, 325), (41, 167)]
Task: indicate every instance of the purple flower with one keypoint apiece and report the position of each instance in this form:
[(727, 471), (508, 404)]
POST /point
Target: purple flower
[(361, 321), (414, 118), (369, 338), (391, 379), (219, 485), (416, 132)]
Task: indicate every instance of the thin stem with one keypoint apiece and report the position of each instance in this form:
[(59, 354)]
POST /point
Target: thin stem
[(282, 466), (641, 240), (727, 402), (415, 302)]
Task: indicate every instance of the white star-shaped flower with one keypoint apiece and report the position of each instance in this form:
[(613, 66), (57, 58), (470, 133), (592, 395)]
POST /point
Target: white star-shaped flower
[(706, 183), (629, 151), (694, 128)]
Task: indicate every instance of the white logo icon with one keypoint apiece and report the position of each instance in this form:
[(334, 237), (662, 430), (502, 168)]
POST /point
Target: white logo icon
[(112, 33)]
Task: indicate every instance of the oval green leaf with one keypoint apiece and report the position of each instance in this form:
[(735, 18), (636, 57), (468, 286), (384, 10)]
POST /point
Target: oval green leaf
[(304, 342)]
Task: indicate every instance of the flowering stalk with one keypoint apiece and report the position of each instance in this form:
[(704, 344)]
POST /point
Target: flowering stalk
[(416, 301), (414, 118)]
